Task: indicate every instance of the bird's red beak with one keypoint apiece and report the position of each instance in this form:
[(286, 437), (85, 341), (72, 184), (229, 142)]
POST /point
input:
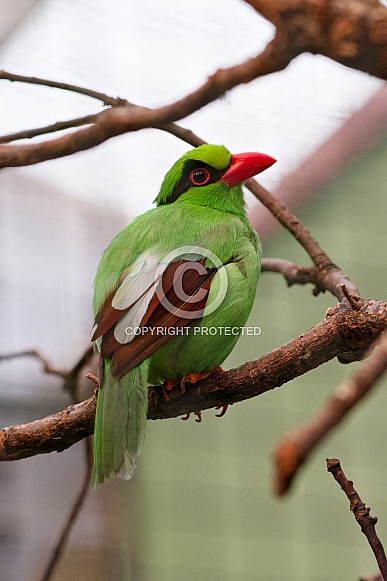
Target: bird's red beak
[(244, 166)]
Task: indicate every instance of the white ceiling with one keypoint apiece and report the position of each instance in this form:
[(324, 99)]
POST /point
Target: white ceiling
[(12, 15)]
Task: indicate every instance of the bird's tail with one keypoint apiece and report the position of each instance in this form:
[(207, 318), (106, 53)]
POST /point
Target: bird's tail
[(119, 423)]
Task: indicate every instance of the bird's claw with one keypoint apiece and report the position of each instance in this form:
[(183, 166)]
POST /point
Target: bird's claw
[(170, 384), (197, 414), (224, 409)]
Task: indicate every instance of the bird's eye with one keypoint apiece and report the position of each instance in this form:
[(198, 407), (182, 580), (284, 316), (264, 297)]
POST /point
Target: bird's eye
[(199, 177)]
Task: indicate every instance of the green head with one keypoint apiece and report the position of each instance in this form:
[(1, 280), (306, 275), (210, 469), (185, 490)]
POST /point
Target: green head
[(210, 176)]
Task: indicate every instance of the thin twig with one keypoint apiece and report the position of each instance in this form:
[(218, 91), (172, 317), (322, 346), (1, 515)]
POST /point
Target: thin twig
[(58, 126), (292, 273), (71, 384), (106, 99), (354, 300), (296, 447), (78, 503), (93, 378), (72, 376), (328, 275), (361, 513), (47, 367)]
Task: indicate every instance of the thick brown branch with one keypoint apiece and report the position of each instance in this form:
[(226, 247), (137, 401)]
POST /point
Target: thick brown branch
[(342, 330), (361, 513), (297, 447), (350, 32), (53, 433)]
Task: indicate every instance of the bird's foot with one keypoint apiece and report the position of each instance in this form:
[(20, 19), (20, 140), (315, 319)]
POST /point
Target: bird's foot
[(199, 413), (195, 377), (170, 384)]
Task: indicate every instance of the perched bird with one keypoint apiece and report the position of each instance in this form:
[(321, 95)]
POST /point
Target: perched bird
[(167, 287)]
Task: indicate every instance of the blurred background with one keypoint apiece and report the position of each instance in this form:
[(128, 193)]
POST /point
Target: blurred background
[(200, 505)]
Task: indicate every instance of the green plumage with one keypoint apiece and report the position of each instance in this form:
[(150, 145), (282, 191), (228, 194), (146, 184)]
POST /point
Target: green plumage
[(213, 217), (118, 441)]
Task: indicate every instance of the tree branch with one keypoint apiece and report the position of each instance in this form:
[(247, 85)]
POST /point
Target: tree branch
[(106, 99), (70, 377), (47, 367), (328, 276), (58, 126), (361, 513), (292, 273), (75, 510), (350, 32), (342, 330), (127, 117), (297, 447)]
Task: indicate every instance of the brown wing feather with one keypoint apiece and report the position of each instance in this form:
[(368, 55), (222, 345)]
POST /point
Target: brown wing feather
[(108, 315), (178, 275), (126, 357)]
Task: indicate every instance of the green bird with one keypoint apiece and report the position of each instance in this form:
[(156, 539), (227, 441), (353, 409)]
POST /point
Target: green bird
[(171, 294)]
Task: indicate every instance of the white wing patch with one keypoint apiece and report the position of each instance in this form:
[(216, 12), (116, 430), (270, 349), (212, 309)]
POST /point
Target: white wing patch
[(127, 326), (137, 289), (134, 285)]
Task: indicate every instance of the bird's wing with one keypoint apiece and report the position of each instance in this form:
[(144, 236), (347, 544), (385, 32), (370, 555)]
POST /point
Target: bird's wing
[(156, 297)]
